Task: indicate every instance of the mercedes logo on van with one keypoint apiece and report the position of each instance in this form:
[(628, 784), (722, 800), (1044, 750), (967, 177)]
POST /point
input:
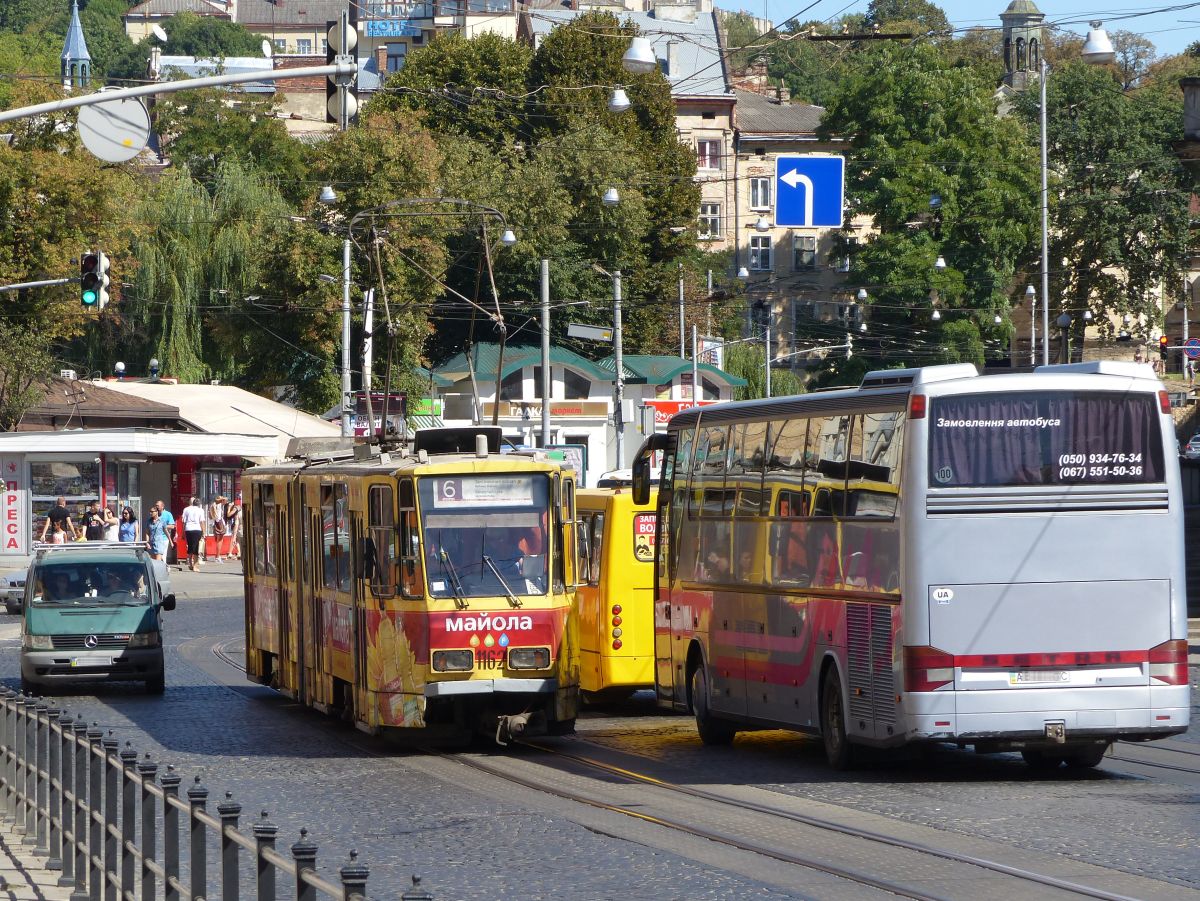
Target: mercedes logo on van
[(91, 641)]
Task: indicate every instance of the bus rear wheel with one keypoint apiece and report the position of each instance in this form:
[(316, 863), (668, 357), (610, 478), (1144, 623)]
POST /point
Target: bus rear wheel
[(838, 751), (1042, 761), (1086, 757), (712, 730)]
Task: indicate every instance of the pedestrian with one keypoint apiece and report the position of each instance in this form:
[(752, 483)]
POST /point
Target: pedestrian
[(93, 523), (168, 521), (156, 534), (216, 517), (58, 535), (61, 515), (233, 518), (111, 525), (192, 519), (128, 530)]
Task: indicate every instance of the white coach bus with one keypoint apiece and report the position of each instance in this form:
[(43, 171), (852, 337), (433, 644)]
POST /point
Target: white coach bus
[(935, 556)]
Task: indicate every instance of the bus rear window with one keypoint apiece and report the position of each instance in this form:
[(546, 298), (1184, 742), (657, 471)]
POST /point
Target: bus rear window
[(1044, 438)]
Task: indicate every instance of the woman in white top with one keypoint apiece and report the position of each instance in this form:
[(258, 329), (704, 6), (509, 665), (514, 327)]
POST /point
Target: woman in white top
[(192, 519)]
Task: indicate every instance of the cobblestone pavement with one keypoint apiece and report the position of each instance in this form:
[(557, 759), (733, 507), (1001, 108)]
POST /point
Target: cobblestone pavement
[(354, 792)]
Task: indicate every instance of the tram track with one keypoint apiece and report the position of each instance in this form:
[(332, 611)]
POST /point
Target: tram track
[(706, 810)]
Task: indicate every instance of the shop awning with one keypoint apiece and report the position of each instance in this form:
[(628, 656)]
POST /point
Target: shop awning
[(150, 442)]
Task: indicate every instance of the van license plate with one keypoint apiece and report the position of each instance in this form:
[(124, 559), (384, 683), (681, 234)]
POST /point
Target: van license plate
[(91, 661), (1037, 676)]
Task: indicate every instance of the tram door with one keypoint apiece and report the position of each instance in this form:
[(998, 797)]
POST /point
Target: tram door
[(288, 658), (358, 598), (315, 649)]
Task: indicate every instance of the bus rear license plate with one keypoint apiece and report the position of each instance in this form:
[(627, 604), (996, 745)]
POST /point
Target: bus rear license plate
[(1037, 676), (91, 661)]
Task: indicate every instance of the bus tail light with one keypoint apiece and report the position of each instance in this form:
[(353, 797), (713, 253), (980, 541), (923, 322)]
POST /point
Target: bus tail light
[(916, 406), (616, 609), (616, 620), (926, 668), (1168, 662), (1164, 402), (616, 644)]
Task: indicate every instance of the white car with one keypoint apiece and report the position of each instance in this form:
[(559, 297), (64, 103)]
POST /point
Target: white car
[(12, 591), (1192, 450)]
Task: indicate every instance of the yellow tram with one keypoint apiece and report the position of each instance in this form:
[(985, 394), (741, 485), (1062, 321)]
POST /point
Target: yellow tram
[(425, 593), (616, 592)]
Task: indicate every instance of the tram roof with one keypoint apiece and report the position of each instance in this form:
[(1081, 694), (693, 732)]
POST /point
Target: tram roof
[(401, 464)]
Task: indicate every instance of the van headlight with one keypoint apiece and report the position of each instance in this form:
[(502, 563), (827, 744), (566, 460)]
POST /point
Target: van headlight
[(453, 661), (528, 658), (143, 640), (39, 642)]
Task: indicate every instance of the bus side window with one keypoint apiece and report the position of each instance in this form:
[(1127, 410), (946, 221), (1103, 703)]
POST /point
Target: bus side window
[(597, 544), (583, 534)]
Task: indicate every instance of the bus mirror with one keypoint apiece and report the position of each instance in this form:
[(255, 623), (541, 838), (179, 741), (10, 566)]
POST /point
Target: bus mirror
[(641, 480)]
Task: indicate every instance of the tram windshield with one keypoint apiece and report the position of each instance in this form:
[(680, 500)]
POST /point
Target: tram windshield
[(485, 535)]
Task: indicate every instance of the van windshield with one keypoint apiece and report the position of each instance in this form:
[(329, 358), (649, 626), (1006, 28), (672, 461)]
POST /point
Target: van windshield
[(91, 584)]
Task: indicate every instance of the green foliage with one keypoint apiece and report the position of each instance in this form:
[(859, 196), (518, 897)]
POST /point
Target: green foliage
[(926, 17), (919, 128), (471, 87), (741, 36), (27, 360), (205, 129), (24, 56), (18, 15), (961, 343), (1119, 194), (810, 69), (746, 362)]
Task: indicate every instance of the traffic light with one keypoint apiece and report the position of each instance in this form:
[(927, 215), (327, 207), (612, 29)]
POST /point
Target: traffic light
[(346, 86), (1163, 344), (94, 280), (89, 280)]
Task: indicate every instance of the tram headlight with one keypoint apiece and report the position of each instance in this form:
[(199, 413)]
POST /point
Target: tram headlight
[(453, 661), (528, 658)]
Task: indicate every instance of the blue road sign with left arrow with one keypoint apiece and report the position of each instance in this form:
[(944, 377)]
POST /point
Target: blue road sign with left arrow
[(809, 191)]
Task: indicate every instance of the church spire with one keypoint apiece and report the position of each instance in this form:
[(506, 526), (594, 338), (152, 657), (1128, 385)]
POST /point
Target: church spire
[(76, 61), (1022, 43)]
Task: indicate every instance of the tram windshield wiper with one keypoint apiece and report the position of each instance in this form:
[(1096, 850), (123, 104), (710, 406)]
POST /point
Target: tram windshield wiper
[(460, 596), (513, 600)]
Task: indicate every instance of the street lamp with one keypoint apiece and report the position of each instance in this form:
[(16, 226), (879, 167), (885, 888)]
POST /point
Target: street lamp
[(762, 225), (611, 197), (329, 197), (618, 101), (1097, 49), (1064, 323), (639, 58), (618, 363), (940, 263), (1031, 298)]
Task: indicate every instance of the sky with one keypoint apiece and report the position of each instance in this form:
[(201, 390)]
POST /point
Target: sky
[(1170, 32)]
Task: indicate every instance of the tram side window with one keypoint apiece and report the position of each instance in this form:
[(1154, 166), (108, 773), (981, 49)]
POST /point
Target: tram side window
[(335, 538), (412, 582), (305, 538), (264, 529), (378, 554)]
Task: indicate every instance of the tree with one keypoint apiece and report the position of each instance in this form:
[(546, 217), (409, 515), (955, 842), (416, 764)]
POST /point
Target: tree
[(1135, 54), (810, 69), (941, 175), (746, 361), (927, 17), (204, 37), (26, 362), (1119, 195), (742, 38)]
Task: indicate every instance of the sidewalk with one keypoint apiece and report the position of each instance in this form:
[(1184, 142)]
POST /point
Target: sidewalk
[(23, 874)]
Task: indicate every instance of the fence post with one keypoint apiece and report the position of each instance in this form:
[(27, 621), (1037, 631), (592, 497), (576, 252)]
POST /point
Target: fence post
[(76, 853), (198, 835), (35, 835), (56, 780), (146, 769), (8, 701), (170, 787), (112, 788), (416, 893), (264, 835), (23, 756), (304, 853), (128, 817), (354, 879), (95, 807), (229, 810)]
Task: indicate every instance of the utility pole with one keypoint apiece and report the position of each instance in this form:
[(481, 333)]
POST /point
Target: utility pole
[(347, 389), (545, 386), (770, 349), (368, 361), (619, 384), (682, 326), (695, 368)]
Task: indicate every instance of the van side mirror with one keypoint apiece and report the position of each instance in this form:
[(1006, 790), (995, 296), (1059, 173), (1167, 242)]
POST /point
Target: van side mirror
[(641, 467), (168, 603)]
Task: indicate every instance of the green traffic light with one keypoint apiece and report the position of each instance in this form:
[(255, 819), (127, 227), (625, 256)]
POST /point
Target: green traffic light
[(89, 298)]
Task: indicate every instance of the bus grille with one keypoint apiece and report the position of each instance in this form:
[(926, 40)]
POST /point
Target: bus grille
[(869, 654), (1049, 500), (79, 642)]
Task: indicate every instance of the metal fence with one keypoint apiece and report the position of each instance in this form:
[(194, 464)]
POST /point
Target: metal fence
[(97, 813)]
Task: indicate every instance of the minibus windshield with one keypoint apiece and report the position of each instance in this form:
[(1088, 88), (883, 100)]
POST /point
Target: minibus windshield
[(1045, 438), (93, 584)]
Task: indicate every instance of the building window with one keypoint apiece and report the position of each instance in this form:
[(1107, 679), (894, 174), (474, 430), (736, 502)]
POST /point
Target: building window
[(708, 154), (575, 386), (804, 252), (280, 45), (395, 56), (304, 46), (760, 193), (708, 115), (710, 221), (760, 253), (512, 387)]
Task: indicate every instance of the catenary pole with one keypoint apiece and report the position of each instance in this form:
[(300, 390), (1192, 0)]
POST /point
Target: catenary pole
[(545, 386)]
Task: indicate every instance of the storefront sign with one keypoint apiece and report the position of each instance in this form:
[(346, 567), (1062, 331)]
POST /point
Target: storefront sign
[(427, 406), (14, 512), (392, 28), (665, 409), (397, 407), (533, 409)]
